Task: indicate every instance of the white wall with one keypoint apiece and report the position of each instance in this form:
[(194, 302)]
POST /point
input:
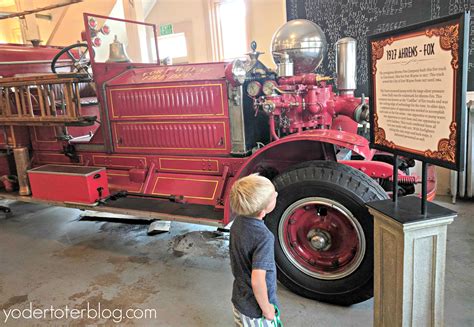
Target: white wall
[(443, 174), (189, 17), (72, 23), (265, 17), (10, 31), (192, 18)]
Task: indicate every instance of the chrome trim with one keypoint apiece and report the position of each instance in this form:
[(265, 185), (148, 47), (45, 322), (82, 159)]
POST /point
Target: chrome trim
[(236, 119), (346, 65), (303, 41)]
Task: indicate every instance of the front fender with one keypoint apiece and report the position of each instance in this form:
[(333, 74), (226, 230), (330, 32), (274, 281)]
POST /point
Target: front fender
[(297, 148), (306, 146), (354, 142)]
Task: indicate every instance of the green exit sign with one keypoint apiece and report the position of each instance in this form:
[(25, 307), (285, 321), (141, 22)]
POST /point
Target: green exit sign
[(166, 29)]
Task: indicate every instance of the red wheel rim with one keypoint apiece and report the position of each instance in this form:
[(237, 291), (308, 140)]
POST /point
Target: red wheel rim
[(322, 238)]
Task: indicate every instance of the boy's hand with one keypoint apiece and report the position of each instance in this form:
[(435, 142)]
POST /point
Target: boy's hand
[(259, 287), (269, 312)]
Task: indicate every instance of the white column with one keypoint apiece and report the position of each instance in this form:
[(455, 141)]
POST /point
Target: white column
[(409, 263), (137, 42)]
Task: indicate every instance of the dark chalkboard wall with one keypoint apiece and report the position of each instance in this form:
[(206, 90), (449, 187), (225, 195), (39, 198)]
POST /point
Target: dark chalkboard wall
[(359, 18)]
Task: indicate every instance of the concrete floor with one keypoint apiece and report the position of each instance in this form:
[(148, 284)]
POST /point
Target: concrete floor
[(50, 258)]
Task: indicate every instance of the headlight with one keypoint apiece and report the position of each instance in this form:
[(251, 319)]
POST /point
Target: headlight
[(268, 87), (238, 71), (254, 88)]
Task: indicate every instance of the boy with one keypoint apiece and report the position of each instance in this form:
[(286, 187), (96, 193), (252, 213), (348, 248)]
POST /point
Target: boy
[(251, 252)]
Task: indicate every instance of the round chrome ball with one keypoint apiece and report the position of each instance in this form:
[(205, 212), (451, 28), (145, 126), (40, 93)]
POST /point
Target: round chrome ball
[(303, 41), (319, 239)]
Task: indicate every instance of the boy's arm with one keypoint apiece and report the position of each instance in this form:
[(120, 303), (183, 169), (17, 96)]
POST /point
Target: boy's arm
[(259, 287)]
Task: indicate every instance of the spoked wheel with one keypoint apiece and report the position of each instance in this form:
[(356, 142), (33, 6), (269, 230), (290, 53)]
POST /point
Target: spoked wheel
[(77, 61), (324, 247)]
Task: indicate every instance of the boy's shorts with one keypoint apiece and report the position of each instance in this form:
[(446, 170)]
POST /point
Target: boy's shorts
[(242, 320)]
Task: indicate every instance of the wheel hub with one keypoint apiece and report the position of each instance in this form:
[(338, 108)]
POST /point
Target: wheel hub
[(320, 240)]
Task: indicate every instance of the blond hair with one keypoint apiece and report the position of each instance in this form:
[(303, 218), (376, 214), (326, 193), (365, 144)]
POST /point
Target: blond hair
[(250, 195)]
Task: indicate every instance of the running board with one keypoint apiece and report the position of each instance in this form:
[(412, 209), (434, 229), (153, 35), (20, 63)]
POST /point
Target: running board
[(141, 207)]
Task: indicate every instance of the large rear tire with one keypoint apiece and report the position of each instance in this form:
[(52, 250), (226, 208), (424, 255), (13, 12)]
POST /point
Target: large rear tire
[(324, 232)]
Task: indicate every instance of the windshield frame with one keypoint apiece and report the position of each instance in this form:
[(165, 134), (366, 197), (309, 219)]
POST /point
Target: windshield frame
[(127, 21)]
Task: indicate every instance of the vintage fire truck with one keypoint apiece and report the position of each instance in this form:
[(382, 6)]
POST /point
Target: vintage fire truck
[(103, 124)]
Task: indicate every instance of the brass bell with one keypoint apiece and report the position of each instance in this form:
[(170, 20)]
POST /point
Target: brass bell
[(117, 52)]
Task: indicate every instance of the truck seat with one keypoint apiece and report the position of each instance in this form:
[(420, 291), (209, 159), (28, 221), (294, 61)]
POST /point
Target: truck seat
[(86, 92)]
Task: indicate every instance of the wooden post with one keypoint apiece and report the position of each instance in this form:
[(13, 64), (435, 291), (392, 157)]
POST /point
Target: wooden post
[(2, 102), (52, 99), (67, 100), (18, 102), (47, 99), (78, 99), (71, 97), (22, 161), (7, 97), (41, 99), (29, 102), (23, 101), (409, 262)]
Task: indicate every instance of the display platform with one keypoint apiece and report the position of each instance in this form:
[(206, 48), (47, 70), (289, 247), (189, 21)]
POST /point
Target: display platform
[(407, 210)]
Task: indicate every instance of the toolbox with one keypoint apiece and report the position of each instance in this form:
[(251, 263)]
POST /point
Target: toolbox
[(77, 184)]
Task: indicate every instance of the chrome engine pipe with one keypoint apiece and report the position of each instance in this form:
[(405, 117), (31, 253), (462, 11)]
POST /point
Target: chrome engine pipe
[(346, 65)]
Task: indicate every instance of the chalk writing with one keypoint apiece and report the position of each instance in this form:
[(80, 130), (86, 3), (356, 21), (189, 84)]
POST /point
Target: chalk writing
[(359, 18)]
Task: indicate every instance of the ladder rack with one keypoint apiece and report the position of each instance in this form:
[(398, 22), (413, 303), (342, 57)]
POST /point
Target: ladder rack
[(49, 99)]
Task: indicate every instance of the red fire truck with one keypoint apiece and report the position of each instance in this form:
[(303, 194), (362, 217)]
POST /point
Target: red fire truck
[(103, 124)]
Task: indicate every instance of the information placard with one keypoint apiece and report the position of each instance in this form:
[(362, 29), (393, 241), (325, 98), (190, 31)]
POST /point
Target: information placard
[(418, 80)]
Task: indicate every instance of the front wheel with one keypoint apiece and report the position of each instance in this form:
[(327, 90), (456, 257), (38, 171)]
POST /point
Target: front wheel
[(324, 232)]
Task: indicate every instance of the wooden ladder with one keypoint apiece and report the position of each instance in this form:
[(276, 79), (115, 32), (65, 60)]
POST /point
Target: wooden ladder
[(32, 100)]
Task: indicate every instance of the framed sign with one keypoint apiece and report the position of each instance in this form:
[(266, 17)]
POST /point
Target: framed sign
[(417, 80)]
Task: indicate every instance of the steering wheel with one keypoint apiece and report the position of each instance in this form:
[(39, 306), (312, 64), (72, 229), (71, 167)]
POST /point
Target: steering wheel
[(78, 61)]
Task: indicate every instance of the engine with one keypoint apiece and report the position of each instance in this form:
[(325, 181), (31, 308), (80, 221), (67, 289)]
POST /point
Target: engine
[(296, 99)]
